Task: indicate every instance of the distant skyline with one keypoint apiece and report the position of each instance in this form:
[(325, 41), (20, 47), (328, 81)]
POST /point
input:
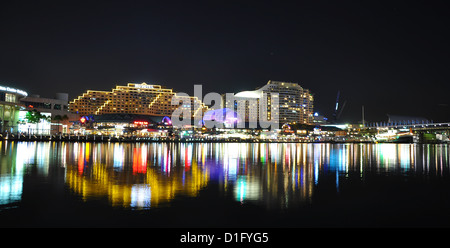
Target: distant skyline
[(390, 56)]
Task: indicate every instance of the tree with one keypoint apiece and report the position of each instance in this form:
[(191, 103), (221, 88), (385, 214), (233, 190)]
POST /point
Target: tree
[(35, 117)]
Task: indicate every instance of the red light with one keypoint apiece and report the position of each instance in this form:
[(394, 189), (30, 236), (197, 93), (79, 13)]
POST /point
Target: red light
[(83, 120), (140, 122)]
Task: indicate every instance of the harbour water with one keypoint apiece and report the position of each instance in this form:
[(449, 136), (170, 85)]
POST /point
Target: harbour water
[(89, 184)]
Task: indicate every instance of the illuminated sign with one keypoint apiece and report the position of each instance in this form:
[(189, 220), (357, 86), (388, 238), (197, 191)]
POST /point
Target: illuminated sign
[(167, 121), (143, 86), (140, 122), (13, 90), (83, 120)]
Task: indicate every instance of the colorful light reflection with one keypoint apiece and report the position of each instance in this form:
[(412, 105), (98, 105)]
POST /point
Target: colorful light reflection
[(140, 176)]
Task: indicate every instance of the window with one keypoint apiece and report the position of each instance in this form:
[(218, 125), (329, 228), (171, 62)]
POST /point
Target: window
[(10, 97)]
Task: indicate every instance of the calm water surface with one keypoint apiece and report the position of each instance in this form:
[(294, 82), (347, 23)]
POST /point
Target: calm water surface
[(223, 185)]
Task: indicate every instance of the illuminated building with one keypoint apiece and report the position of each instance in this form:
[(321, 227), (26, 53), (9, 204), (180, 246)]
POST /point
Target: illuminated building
[(142, 99), (225, 116), (319, 119), (119, 124), (251, 101), (52, 107), (58, 105), (10, 106), (43, 127), (295, 103)]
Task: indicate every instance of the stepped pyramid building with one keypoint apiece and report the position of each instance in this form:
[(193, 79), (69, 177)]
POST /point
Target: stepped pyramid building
[(138, 99)]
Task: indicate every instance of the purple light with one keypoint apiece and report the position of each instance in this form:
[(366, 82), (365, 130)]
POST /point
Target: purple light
[(166, 120), (224, 115)]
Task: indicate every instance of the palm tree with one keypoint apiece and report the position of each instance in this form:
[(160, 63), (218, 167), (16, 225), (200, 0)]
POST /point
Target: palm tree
[(35, 117)]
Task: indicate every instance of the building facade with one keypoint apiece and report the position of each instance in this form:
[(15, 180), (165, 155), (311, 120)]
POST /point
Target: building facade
[(10, 106), (57, 109), (295, 103), (141, 99), (58, 105)]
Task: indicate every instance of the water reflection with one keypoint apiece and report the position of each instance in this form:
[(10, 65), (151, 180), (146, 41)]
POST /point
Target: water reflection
[(150, 175), (134, 175)]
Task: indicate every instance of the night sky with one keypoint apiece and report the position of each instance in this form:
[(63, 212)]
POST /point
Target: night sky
[(390, 56)]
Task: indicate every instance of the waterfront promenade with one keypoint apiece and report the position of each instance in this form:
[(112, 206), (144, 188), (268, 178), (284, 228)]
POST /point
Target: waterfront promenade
[(210, 139), (107, 138)]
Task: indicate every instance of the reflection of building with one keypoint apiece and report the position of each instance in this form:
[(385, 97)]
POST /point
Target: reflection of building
[(9, 108), (295, 102), (142, 99), (147, 186)]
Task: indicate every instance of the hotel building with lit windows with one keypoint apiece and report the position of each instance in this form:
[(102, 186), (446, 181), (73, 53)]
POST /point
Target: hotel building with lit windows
[(134, 98), (296, 103)]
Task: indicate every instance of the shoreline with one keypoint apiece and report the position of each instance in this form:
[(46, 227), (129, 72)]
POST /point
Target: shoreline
[(106, 139)]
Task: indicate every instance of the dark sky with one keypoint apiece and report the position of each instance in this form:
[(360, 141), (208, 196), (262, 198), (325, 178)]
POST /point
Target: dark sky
[(390, 56)]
